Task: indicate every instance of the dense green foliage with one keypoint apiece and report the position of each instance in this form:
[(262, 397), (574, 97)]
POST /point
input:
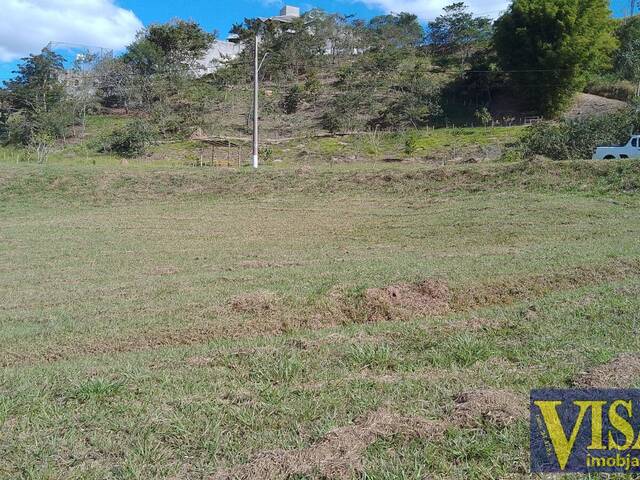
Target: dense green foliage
[(338, 73), (571, 140), (169, 47), (550, 47), (36, 108), (627, 58), (129, 140), (458, 32)]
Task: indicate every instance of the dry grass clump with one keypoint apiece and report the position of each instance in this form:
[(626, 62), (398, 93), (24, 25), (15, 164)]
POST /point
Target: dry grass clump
[(338, 454), (430, 297), (255, 302), (511, 290), (622, 372), (395, 302), (497, 407)]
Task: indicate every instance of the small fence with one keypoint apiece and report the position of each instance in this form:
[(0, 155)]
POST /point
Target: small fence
[(222, 153)]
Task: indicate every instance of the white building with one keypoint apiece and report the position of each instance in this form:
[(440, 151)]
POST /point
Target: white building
[(223, 50), (220, 52)]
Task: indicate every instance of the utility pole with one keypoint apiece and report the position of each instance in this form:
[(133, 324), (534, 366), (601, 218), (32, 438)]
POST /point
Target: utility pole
[(257, 65), (256, 93)]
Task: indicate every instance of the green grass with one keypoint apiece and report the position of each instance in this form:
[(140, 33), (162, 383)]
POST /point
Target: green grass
[(170, 323), (441, 143), (447, 143)]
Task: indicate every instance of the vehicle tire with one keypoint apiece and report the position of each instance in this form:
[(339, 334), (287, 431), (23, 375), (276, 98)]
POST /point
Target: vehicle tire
[(624, 157), (609, 157)]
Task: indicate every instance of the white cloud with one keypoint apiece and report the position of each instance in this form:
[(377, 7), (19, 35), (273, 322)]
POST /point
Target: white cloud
[(26, 26), (429, 9)]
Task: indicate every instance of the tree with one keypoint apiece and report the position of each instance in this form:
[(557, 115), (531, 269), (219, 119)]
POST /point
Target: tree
[(294, 49), (39, 108), (339, 36), (627, 63), (118, 84), (414, 97), (37, 86), (551, 46), (173, 46), (483, 116), (397, 31), (458, 32), (158, 74)]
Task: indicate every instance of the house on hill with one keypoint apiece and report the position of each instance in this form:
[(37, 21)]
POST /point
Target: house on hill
[(223, 51), (220, 52)]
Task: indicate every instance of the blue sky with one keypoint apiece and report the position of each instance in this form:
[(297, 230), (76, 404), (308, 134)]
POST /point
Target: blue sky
[(28, 25)]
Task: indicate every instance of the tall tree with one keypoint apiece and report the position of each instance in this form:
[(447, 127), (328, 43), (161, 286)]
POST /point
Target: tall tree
[(550, 46), (627, 61), (38, 108), (400, 31), (458, 32), (173, 46), (37, 85)]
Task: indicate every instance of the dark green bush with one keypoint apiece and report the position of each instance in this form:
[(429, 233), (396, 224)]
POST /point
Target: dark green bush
[(572, 140), (130, 140), (332, 121), (292, 99)]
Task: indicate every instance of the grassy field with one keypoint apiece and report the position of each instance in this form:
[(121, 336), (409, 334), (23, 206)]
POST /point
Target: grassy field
[(367, 321)]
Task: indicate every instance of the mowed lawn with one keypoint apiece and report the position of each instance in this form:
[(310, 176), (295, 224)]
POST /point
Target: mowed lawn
[(211, 332)]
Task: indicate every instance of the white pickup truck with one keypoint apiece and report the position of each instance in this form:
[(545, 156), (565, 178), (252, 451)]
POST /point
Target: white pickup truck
[(630, 150)]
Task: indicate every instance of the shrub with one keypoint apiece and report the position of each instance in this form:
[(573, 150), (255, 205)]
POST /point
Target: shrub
[(570, 140), (292, 99), (613, 88), (483, 116), (411, 144), (332, 121), (130, 140)]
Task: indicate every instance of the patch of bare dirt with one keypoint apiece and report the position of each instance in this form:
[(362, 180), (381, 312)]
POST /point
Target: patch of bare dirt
[(622, 372), (497, 407), (338, 455), (395, 302), (304, 170), (254, 302), (430, 297), (199, 361), (163, 271), (586, 105)]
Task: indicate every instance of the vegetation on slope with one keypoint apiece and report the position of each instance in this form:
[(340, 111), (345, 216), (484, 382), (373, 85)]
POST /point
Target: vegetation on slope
[(328, 72)]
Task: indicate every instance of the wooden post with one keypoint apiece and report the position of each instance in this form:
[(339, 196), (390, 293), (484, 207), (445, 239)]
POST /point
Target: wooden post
[(228, 153), (213, 154), (239, 155)]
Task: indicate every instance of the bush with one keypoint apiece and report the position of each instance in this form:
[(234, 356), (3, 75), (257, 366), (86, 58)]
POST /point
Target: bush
[(571, 140), (411, 144), (16, 129), (613, 88), (332, 121), (292, 99), (130, 140)]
